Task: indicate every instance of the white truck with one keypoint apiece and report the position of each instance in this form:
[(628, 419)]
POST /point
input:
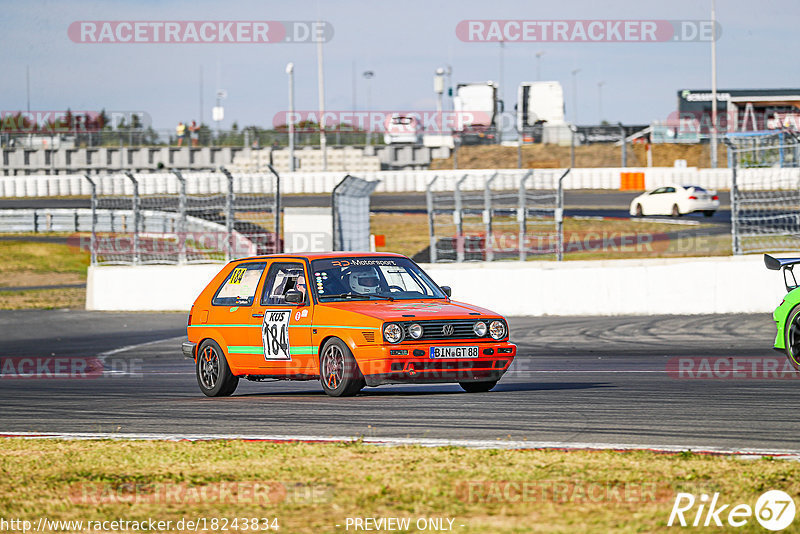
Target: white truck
[(540, 105), (477, 108)]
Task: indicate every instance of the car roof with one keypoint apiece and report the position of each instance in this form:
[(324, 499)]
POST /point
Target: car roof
[(323, 255)]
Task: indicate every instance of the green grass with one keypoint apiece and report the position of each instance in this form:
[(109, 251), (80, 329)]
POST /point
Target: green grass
[(32, 256), (313, 487)]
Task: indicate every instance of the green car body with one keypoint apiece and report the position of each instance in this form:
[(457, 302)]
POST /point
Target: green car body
[(781, 316), (788, 312)]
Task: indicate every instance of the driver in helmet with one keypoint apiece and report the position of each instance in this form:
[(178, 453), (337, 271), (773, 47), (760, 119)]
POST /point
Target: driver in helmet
[(364, 280)]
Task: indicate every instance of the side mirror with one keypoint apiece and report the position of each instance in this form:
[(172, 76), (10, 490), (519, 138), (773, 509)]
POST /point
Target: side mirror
[(447, 290), (293, 296)]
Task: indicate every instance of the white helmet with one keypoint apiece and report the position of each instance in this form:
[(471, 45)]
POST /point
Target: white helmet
[(364, 281)]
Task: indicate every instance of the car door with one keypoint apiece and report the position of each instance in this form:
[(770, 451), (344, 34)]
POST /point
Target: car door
[(669, 198), (231, 314), (284, 335), (651, 203)]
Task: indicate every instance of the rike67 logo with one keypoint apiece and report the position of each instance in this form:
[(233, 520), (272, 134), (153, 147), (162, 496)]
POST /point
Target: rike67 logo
[(774, 510)]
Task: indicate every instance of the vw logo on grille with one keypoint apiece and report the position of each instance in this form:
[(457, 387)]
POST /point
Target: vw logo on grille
[(447, 330)]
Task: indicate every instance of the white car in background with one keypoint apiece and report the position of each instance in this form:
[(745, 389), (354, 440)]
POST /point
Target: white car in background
[(675, 200)]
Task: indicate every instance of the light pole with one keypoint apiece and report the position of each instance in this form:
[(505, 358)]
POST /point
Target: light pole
[(575, 96), (438, 88), (502, 89), (290, 72), (713, 85), (368, 75), (539, 65), (448, 71), (600, 100)]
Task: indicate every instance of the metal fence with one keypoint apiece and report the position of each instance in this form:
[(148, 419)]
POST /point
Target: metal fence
[(350, 209), (765, 205), (505, 216), (132, 224)]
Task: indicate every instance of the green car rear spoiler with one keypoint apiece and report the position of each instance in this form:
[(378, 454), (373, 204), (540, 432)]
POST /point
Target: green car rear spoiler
[(787, 264)]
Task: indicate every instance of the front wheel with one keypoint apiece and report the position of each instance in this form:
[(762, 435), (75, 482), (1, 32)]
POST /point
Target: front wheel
[(213, 373), (639, 212), (791, 337), (477, 387), (338, 371)]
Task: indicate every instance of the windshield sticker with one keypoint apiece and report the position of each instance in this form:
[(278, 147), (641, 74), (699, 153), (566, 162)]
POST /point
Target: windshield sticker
[(419, 306), (275, 334)]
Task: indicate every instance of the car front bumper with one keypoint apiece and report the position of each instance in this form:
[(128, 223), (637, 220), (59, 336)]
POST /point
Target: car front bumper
[(412, 363)]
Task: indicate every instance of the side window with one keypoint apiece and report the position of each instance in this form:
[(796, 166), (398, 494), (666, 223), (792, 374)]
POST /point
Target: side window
[(281, 278), (659, 191), (239, 288), (670, 190)]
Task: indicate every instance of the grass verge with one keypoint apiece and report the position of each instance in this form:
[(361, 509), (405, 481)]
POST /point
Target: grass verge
[(315, 487), (584, 239)]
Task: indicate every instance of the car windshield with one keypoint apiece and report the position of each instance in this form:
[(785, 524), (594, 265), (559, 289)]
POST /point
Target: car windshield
[(372, 278)]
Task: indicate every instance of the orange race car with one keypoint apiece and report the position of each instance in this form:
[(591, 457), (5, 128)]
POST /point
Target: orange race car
[(348, 319)]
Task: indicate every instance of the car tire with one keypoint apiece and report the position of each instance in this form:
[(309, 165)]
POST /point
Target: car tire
[(338, 371), (676, 212), (477, 387), (708, 213), (791, 340), (213, 373), (639, 212)]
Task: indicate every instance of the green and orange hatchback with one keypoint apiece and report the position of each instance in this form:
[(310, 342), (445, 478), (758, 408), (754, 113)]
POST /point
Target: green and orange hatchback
[(348, 319)]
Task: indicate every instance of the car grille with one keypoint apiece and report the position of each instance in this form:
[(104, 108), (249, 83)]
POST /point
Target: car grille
[(462, 329)]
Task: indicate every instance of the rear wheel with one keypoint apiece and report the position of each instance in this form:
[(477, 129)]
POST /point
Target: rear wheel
[(791, 337), (708, 213), (676, 212), (213, 374), (338, 371), (477, 387)]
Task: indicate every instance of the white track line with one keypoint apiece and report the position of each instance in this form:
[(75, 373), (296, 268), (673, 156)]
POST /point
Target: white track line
[(423, 442), (106, 354)]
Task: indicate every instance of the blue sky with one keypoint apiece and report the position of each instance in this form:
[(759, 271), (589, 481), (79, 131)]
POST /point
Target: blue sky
[(402, 42)]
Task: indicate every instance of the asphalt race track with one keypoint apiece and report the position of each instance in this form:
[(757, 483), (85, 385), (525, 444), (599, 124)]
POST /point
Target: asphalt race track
[(585, 380)]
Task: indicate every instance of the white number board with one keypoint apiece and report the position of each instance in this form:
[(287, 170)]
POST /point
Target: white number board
[(275, 334)]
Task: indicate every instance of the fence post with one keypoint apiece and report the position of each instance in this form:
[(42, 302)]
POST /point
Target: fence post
[(559, 215), (135, 217), (93, 238), (181, 217), (522, 215), (277, 208), (229, 198), (624, 145), (488, 244), (458, 220), (431, 221), (732, 164)]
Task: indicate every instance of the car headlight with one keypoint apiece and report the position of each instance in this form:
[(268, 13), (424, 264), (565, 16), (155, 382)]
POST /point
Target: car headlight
[(479, 328), (497, 330), (392, 333), (415, 331)]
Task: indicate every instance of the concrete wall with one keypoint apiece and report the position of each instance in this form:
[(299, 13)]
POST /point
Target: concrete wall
[(394, 181), (614, 287)]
